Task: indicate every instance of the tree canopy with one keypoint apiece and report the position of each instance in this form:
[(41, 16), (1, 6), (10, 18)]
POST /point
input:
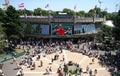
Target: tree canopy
[(43, 12), (12, 24), (116, 29)]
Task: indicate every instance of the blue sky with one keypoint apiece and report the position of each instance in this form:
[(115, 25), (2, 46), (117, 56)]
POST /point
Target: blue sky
[(58, 5)]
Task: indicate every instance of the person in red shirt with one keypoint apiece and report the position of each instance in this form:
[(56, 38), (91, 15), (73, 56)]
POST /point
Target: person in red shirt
[(60, 30)]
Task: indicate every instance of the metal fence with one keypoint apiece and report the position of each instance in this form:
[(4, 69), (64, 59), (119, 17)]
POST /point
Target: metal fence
[(10, 56)]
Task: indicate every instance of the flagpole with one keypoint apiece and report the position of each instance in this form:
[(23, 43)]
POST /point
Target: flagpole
[(100, 2), (75, 13), (49, 12), (116, 7), (100, 6)]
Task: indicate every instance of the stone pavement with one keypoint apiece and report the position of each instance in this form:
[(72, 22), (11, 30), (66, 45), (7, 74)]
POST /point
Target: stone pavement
[(9, 69), (83, 60), (69, 56)]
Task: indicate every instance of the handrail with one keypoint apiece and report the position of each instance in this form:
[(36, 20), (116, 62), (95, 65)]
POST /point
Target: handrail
[(60, 19)]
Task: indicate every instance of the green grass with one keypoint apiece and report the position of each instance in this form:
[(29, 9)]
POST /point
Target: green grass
[(18, 50), (2, 54)]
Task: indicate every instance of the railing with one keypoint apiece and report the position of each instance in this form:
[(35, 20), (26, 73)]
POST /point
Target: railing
[(62, 20), (47, 19), (84, 19), (9, 56), (98, 19), (34, 16)]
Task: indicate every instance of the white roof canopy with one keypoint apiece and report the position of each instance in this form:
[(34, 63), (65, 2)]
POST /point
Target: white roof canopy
[(109, 23)]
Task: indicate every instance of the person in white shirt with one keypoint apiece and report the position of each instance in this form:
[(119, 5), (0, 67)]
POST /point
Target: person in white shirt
[(1, 73)]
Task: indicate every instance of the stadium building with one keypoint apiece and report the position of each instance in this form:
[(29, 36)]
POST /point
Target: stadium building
[(61, 26)]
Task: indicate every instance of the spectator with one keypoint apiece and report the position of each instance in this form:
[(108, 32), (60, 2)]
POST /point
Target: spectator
[(1, 65), (63, 57), (50, 69), (95, 72), (90, 72), (41, 63), (1, 73), (47, 70), (87, 69)]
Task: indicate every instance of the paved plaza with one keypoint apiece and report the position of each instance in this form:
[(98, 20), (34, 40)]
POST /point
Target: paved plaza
[(78, 58)]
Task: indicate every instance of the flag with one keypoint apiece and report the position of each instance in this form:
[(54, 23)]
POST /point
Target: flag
[(46, 6), (95, 9), (75, 7), (21, 5)]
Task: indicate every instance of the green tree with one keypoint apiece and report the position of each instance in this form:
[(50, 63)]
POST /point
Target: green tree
[(103, 13), (25, 11), (116, 29), (90, 13), (20, 12), (52, 12), (105, 33), (111, 16), (2, 34), (2, 13), (98, 10), (37, 11), (28, 12), (12, 24), (81, 13), (45, 12), (68, 11)]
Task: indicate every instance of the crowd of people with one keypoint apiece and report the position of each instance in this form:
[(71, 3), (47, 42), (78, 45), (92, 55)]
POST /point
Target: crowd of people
[(38, 49)]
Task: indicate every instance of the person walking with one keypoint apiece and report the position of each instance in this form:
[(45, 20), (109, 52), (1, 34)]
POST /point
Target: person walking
[(1, 65), (41, 63), (50, 69), (14, 60), (87, 69), (1, 72), (90, 72), (47, 70), (80, 71), (63, 57), (21, 72), (93, 60), (51, 60), (95, 72)]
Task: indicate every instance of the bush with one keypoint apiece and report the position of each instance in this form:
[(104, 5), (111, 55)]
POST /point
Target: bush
[(65, 68)]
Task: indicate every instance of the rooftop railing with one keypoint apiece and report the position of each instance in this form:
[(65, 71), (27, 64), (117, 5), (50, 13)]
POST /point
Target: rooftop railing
[(60, 19)]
